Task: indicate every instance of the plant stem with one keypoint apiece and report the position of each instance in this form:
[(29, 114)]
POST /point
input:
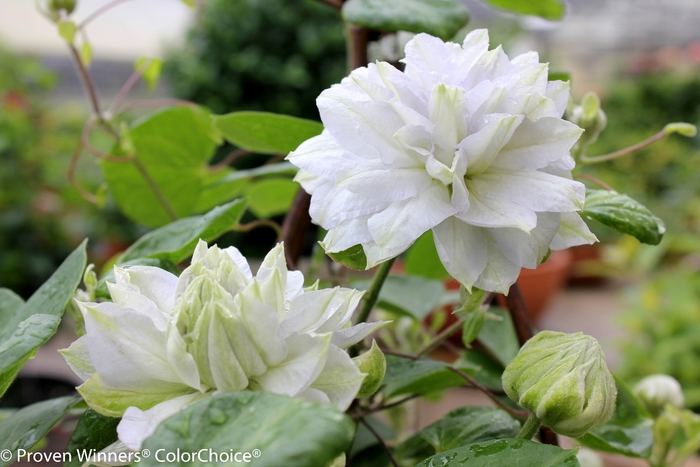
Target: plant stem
[(472, 382), (226, 161), (99, 12), (600, 183), (261, 223), (440, 338), (529, 428), (88, 84), (447, 332), (372, 295), (124, 91), (392, 459), (73, 181), (622, 152)]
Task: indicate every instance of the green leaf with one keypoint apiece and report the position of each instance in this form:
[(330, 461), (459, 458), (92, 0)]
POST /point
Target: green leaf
[(498, 336), (408, 376), (441, 18), (625, 215), (473, 324), (150, 70), (628, 432), (223, 186), (504, 453), (354, 258), (265, 132), (26, 427), (547, 9), (285, 431), (408, 295), (271, 197), (422, 259), (413, 450), (93, 431), (172, 148), (67, 30), (30, 325), (86, 53), (175, 242), (467, 425)]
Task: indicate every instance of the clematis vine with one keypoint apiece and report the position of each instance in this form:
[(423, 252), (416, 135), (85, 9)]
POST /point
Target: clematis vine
[(165, 342), (466, 143)]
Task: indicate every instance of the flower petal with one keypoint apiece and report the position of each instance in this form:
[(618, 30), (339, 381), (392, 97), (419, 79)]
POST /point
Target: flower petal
[(462, 250), (398, 226), (528, 249), (305, 361), (347, 337), (500, 273), (78, 358), (340, 379), (572, 231), (137, 425), (536, 144), (125, 346), (154, 283), (537, 191)]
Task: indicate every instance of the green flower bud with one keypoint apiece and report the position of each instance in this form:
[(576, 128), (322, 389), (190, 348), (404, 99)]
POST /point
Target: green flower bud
[(590, 117), (373, 364), (655, 391), (54, 7), (563, 381)]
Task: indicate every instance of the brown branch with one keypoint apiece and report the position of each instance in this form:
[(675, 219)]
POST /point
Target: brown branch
[(518, 313), (392, 459), (294, 227)]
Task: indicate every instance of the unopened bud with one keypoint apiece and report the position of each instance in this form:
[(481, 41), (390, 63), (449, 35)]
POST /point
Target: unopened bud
[(563, 381)]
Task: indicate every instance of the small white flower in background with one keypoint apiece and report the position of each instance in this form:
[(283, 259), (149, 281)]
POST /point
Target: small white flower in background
[(466, 143), (166, 342), (656, 391)]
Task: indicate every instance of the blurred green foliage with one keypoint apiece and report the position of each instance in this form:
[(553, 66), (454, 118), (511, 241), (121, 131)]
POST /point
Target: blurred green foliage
[(665, 176), (272, 55), (42, 217), (664, 325)]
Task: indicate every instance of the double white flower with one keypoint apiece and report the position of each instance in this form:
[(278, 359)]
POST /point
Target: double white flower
[(166, 342), (465, 142)]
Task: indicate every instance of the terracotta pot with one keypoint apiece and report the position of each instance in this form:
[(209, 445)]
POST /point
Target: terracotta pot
[(584, 256), (539, 285)]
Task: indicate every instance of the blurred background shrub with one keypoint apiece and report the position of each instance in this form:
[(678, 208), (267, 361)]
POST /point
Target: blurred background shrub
[(42, 218)]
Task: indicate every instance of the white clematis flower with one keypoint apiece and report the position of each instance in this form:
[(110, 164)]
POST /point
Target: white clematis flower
[(166, 342), (466, 143)]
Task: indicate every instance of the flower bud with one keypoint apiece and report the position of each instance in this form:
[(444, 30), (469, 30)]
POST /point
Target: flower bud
[(54, 8), (655, 391), (373, 364), (562, 380), (590, 117)]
